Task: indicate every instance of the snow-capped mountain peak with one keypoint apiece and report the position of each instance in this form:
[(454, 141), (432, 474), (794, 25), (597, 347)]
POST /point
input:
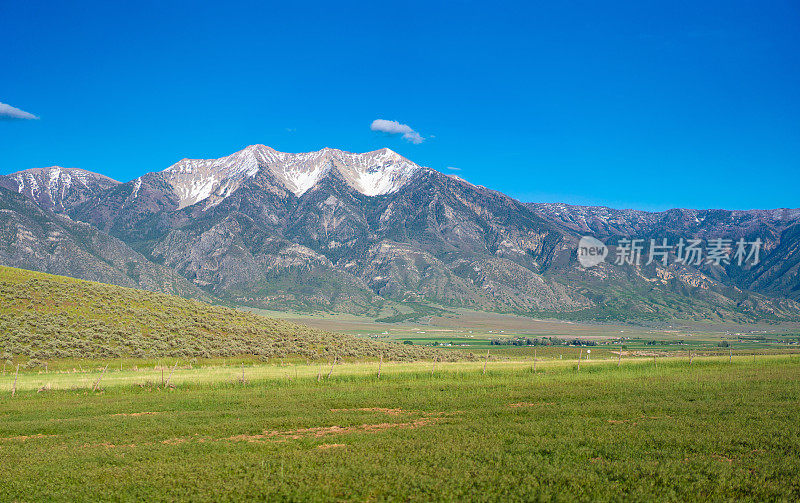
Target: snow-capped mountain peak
[(371, 173), (194, 180), (53, 185), (376, 173)]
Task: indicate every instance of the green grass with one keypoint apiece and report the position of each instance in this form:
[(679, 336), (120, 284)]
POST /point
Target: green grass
[(712, 430), (44, 317)]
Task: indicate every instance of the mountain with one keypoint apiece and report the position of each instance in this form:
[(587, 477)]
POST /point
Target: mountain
[(373, 173), (778, 230), (35, 238), (333, 230), (605, 222), (56, 188), (376, 233)]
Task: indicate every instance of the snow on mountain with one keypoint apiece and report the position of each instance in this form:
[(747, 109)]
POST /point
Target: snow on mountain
[(194, 180), (370, 173), (375, 173), (297, 172), (54, 187)]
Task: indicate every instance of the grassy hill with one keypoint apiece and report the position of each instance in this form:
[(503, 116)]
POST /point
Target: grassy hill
[(45, 317)]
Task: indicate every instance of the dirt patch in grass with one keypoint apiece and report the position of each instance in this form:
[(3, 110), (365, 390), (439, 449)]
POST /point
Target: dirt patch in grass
[(23, 438), (107, 445), (383, 410), (528, 404), (285, 435), (134, 414), (623, 421), (324, 431)]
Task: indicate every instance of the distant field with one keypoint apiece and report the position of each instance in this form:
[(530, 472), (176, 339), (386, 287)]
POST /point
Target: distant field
[(668, 430), (466, 330)]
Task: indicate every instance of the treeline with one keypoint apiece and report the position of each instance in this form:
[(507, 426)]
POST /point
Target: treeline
[(539, 341)]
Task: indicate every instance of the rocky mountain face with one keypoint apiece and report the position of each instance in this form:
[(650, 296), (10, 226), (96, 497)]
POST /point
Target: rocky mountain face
[(374, 232), (35, 238), (776, 273), (334, 230)]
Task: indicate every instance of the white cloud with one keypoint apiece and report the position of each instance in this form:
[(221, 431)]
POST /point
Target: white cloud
[(453, 168), (394, 127), (9, 112)]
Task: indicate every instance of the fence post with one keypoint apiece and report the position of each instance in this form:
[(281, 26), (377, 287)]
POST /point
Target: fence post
[(173, 371), (97, 382), (332, 364), (14, 388)]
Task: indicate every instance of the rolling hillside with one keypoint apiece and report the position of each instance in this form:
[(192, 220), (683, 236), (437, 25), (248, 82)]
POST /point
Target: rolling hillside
[(44, 317)]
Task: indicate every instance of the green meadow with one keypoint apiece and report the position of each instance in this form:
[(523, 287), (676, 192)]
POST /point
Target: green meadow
[(108, 393), (666, 430)]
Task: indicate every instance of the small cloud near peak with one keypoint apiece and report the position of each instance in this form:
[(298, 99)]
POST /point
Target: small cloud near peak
[(7, 112), (394, 127), (453, 168)]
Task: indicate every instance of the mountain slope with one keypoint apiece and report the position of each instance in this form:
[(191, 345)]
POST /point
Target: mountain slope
[(44, 317), (776, 274), (34, 238)]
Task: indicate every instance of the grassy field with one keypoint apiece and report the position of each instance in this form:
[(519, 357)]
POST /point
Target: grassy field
[(667, 431), (109, 393), (464, 330)]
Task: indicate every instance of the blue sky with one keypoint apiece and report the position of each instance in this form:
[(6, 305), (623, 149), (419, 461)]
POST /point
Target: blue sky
[(647, 105)]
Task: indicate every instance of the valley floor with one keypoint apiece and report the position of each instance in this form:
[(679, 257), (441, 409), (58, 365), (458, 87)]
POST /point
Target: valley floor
[(665, 430), (464, 324)]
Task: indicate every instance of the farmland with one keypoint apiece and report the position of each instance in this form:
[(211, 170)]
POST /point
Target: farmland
[(114, 393), (470, 331), (670, 430)]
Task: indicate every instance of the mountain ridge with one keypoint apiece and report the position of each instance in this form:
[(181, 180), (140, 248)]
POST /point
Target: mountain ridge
[(336, 230), (57, 188), (372, 173)]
